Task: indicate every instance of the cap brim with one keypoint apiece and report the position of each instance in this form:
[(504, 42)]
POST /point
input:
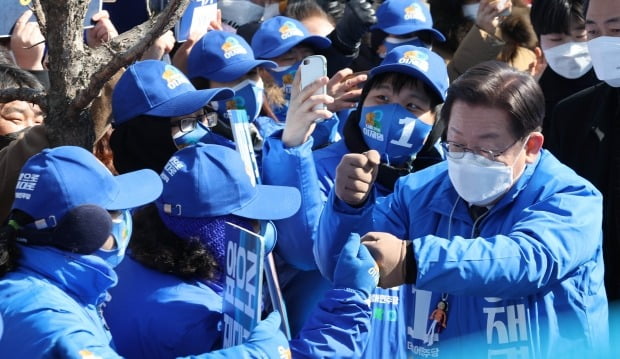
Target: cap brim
[(407, 70), (233, 71), (262, 206), (137, 188), (317, 42), (407, 29), (189, 102)]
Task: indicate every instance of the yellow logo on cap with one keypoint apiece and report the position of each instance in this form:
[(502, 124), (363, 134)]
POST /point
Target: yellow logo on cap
[(414, 12), (288, 29), (285, 353), (415, 58), (232, 47), (87, 354), (173, 77)]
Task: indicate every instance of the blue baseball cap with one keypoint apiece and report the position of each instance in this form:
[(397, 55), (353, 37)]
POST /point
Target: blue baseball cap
[(400, 17), (222, 56), (280, 34), (208, 180), (55, 181), (418, 62), (155, 88)]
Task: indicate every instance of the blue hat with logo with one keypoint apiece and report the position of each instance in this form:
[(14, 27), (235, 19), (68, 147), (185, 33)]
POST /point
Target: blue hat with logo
[(56, 181), (280, 34), (418, 62), (222, 56), (207, 180), (155, 88), (400, 17)]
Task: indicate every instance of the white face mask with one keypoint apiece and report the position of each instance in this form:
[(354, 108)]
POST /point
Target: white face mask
[(570, 60), (470, 11), (240, 12), (478, 180), (605, 53)]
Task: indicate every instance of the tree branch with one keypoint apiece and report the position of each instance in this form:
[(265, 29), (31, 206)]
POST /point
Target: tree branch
[(38, 97), (37, 9), (126, 48)]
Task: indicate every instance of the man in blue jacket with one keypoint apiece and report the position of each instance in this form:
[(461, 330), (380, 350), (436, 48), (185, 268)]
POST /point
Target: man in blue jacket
[(502, 241)]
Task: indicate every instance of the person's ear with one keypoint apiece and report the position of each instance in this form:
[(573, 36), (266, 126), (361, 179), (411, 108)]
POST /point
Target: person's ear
[(538, 66), (533, 146)]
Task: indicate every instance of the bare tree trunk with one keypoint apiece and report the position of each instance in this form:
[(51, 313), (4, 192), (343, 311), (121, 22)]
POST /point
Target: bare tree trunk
[(77, 73)]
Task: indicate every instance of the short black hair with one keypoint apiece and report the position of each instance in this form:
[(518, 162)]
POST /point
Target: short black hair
[(556, 16), (496, 84), (398, 82), (155, 246)]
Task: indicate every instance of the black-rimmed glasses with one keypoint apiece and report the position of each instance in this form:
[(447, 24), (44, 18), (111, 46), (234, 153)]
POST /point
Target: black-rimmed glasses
[(457, 151), (208, 117)]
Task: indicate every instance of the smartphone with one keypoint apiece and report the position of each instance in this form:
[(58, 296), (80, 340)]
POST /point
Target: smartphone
[(506, 11), (311, 68)]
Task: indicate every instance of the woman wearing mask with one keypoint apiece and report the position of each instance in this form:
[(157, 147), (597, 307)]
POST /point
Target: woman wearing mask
[(157, 110), (61, 242), (561, 29), (396, 116), (222, 59), (286, 41), (169, 301)]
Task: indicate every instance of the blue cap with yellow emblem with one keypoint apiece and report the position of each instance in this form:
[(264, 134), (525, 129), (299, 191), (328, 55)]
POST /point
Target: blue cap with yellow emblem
[(418, 62), (222, 56), (155, 88), (400, 17)]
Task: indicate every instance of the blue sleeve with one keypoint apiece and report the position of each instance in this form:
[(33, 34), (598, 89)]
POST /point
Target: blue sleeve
[(548, 241), (338, 327), (337, 221), (294, 167), (325, 132)]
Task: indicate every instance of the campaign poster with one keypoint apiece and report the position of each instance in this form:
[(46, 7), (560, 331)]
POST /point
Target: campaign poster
[(243, 284)]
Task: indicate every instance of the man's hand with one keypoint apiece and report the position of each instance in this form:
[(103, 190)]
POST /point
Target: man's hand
[(355, 176), (163, 45), (356, 268), (488, 15), (27, 43), (392, 255), (102, 32), (344, 88), (301, 116)]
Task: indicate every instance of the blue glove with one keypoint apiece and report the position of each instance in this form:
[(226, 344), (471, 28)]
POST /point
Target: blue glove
[(269, 339), (356, 269)]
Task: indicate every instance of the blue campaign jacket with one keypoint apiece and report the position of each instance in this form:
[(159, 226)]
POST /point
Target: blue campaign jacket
[(313, 173), (525, 279), (54, 295), (156, 315)]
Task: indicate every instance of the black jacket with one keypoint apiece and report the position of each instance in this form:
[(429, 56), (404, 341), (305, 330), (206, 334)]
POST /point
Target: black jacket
[(585, 135), (556, 88)]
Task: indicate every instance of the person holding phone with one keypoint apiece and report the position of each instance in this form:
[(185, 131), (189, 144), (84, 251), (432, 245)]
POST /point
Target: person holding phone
[(287, 42), (396, 116), (221, 59)]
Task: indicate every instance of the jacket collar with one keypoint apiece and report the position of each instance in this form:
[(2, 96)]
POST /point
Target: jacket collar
[(85, 277)]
